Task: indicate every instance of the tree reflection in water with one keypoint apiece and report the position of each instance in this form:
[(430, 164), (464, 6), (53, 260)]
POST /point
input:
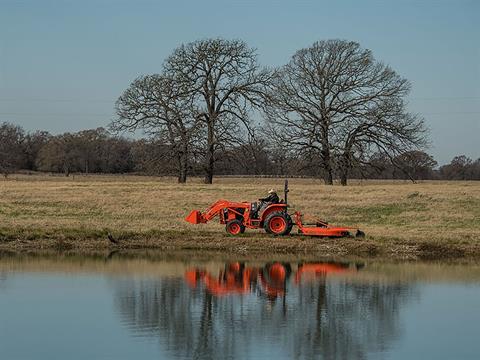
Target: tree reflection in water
[(3, 279), (311, 317)]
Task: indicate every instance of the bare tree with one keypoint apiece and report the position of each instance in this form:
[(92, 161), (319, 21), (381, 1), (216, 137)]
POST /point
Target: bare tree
[(416, 165), (90, 144), (116, 155), (160, 107), (32, 145), (335, 101), (12, 156), (152, 156), (225, 81), (461, 168), (61, 153), (251, 157)]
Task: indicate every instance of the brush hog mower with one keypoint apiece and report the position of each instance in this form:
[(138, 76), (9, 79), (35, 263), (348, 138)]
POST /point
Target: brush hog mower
[(274, 218)]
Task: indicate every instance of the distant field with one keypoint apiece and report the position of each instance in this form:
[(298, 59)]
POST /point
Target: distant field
[(398, 217)]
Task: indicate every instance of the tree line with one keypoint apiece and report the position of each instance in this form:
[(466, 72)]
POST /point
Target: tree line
[(100, 151), (333, 111)]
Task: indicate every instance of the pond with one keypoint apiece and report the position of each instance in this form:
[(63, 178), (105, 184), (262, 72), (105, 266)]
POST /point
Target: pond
[(169, 307)]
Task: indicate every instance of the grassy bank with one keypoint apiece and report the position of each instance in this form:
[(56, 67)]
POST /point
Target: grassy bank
[(401, 219)]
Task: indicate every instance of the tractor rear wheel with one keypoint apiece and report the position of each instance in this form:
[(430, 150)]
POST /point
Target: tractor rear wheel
[(278, 223), (235, 227)]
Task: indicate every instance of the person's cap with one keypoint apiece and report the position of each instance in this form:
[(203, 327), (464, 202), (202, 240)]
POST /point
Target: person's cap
[(271, 191)]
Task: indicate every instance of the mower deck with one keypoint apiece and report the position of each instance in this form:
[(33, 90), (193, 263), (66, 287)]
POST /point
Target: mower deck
[(323, 229)]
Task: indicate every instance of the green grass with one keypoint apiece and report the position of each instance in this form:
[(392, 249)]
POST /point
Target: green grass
[(398, 214)]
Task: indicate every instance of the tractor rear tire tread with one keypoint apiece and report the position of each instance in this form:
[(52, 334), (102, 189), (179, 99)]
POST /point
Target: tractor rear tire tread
[(287, 217)]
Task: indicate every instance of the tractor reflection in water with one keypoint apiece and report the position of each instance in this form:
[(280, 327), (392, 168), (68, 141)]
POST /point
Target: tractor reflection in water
[(269, 281)]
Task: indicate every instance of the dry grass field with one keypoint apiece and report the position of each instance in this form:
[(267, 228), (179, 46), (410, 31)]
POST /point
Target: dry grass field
[(436, 219)]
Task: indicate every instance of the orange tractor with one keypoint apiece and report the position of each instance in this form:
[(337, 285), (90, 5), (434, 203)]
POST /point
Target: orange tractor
[(274, 218)]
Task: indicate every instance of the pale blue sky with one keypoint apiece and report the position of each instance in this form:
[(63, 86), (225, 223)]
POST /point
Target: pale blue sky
[(64, 63)]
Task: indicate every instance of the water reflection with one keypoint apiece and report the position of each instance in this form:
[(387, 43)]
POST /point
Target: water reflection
[(315, 310), (3, 279)]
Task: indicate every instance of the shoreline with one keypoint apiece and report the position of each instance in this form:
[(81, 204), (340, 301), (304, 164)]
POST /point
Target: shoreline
[(251, 244)]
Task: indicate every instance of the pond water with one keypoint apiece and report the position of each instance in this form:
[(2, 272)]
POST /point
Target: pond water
[(126, 307)]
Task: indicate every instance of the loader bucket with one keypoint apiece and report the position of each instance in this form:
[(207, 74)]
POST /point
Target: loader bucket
[(195, 217)]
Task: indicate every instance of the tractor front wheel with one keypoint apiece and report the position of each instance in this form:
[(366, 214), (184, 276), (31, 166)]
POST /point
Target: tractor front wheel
[(235, 227), (278, 223)]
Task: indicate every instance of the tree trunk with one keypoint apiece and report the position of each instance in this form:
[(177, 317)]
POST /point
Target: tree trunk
[(66, 170), (182, 170), (209, 169), (328, 177), (327, 167), (344, 168), (183, 164), (182, 176), (327, 162), (210, 161)]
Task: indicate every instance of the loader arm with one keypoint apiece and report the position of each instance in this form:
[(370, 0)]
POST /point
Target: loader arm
[(197, 217)]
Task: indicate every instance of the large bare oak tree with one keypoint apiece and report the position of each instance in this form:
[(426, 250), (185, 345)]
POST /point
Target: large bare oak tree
[(159, 106), (333, 101), (224, 80)]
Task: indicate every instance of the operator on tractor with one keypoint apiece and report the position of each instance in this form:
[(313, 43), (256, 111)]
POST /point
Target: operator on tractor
[(272, 198)]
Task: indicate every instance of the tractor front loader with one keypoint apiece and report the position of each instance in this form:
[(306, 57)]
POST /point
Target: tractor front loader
[(237, 216)]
